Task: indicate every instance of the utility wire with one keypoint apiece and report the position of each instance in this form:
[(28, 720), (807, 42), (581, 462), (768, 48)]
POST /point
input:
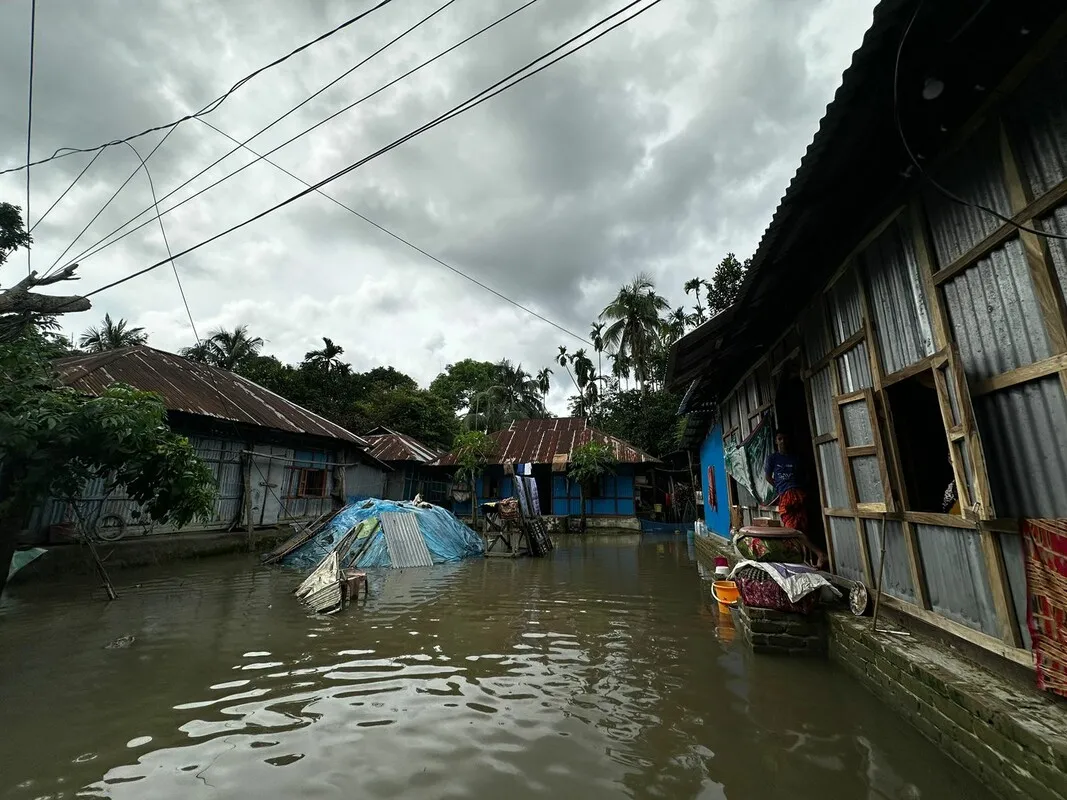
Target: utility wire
[(401, 239), (109, 201), (471, 102), (213, 105), (166, 242), (56, 203), (914, 160), (29, 126), (103, 243)]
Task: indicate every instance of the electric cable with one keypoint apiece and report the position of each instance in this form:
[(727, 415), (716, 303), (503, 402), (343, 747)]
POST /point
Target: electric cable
[(103, 243), (212, 106), (472, 102), (29, 127), (72, 183), (401, 239), (914, 160)]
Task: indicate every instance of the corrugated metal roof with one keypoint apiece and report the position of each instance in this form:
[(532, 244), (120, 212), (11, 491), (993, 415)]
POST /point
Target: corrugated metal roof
[(193, 388), (857, 153), (536, 441), (389, 445)]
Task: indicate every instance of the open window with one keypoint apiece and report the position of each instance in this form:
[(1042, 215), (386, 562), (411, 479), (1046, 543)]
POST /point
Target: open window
[(312, 483), (862, 452), (925, 464), (964, 443)]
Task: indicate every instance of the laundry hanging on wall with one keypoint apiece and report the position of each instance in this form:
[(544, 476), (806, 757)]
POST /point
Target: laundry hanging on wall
[(745, 460)]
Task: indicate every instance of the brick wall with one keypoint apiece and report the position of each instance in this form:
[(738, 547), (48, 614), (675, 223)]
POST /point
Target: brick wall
[(779, 633), (1013, 739)]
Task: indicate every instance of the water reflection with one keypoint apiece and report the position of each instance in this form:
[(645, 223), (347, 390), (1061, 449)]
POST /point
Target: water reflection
[(602, 671)]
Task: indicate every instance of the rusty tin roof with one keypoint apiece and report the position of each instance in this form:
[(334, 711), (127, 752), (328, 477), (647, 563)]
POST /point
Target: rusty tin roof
[(194, 388), (389, 445), (537, 441)]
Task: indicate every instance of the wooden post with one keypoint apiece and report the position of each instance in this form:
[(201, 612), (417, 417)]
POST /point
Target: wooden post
[(248, 493)]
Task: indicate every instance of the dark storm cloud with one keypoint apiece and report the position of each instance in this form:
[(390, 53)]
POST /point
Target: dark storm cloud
[(657, 148)]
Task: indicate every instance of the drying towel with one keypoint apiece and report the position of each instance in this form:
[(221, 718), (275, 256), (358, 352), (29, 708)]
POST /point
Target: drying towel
[(796, 580), (1045, 541)]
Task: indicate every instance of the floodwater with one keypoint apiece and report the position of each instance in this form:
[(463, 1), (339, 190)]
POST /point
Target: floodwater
[(599, 672)]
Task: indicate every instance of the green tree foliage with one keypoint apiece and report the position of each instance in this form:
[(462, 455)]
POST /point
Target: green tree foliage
[(635, 327), (226, 349), (648, 421), (461, 382), (13, 234), (111, 335), (53, 440), (588, 463), (725, 284), (473, 450)]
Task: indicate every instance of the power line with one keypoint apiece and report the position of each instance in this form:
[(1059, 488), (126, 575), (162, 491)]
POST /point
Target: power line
[(471, 102), (103, 243), (401, 239), (212, 106), (109, 201), (29, 126), (72, 183), (166, 242), (914, 160)]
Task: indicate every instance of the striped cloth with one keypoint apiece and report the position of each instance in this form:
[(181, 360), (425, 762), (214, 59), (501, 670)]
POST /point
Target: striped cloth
[(1045, 541)]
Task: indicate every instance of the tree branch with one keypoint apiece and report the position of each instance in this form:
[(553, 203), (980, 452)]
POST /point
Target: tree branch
[(20, 300)]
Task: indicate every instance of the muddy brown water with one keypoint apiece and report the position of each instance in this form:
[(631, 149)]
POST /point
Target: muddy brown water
[(601, 671)]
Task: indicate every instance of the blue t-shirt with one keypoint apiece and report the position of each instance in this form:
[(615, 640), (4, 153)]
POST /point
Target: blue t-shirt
[(784, 472)]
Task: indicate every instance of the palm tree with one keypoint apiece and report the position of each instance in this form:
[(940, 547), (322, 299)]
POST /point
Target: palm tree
[(225, 349), (544, 382), (112, 335), (676, 322), (635, 325), (515, 394), (596, 333), (695, 285), (328, 358)]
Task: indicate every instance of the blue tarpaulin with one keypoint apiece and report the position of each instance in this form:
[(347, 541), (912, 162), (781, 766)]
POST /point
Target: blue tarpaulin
[(446, 538)]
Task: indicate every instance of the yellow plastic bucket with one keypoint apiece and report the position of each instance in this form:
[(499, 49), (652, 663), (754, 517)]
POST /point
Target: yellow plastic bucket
[(726, 594)]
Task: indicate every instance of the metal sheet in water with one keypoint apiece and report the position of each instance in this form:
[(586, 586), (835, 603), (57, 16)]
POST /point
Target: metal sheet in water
[(406, 546)]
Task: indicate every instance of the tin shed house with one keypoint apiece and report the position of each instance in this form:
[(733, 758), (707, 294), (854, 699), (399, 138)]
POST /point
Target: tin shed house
[(410, 461), (547, 445), (273, 460), (904, 316)]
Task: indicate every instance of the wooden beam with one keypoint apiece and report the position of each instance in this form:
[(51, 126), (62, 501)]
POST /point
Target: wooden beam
[(917, 368), (920, 242), (939, 520), (864, 243), (1000, 589), (823, 439), (915, 565), (986, 642), (1039, 208), (843, 348), (1031, 372)]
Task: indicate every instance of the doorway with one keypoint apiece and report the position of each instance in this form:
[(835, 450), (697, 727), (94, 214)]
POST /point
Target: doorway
[(791, 414)]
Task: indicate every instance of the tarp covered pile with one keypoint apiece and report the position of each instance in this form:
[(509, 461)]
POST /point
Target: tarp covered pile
[(408, 534)]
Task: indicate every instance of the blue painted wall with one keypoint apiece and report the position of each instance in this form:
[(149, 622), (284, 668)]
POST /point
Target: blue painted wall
[(712, 455), (616, 494)]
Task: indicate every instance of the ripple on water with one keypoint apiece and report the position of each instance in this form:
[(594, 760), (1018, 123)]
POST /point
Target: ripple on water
[(440, 685)]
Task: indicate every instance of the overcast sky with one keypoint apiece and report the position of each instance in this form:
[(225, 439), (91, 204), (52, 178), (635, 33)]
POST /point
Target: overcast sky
[(659, 148)]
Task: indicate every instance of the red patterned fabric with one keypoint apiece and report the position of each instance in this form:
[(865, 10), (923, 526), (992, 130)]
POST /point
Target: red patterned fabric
[(1045, 541), (793, 509)]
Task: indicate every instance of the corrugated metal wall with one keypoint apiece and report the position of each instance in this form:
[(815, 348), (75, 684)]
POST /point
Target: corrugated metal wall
[(1024, 434), (975, 173), (956, 576), (1057, 223), (1011, 547), (994, 314), (895, 295), (854, 369), (1036, 119), (847, 555), (896, 575), (833, 475), (843, 305), (822, 402), (813, 333)]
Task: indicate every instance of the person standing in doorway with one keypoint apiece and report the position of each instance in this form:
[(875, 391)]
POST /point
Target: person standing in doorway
[(783, 472)]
